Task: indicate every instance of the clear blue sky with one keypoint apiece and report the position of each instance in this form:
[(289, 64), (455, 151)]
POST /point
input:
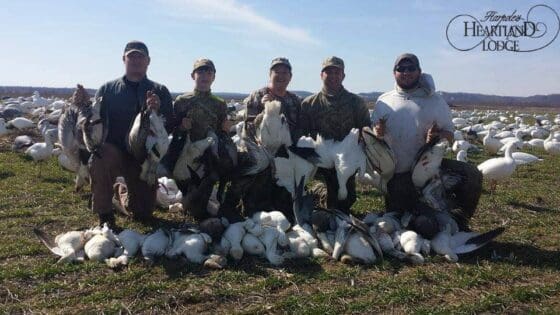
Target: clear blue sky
[(61, 43)]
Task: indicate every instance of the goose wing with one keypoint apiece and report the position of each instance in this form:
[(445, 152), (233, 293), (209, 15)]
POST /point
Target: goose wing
[(48, 241)]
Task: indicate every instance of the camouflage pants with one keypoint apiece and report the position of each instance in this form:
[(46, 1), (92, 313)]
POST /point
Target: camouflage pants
[(402, 196)]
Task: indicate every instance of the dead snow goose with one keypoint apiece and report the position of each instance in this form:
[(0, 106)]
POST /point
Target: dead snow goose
[(274, 131)]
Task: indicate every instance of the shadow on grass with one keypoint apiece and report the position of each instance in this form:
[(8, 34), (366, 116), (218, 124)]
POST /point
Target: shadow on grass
[(57, 180), (516, 254), (250, 265), (531, 207), (6, 174)]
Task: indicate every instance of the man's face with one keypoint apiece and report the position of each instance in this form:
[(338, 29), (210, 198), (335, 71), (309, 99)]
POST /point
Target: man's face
[(407, 74), (280, 76), (203, 78), (136, 64), (332, 78)]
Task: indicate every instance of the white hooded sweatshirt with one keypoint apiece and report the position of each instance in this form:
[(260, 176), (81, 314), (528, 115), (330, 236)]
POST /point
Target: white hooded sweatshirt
[(409, 115)]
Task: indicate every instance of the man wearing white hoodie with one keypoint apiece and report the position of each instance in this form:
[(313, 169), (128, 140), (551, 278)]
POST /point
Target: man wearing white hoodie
[(408, 117)]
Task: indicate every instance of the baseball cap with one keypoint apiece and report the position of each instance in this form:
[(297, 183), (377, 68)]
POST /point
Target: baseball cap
[(408, 56), (280, 61), (136, 46), (203, 62), (333, 62)]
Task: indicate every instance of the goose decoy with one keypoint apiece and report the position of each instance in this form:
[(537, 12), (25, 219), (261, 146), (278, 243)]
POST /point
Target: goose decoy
[(499, 168), (22, 142), (551, 145), (20, 123), (40, 151)]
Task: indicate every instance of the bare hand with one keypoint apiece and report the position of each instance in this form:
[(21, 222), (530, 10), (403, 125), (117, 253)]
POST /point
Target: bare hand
[(379, 128), (152, 100), (433, 133), (267, 98), (186, 124)]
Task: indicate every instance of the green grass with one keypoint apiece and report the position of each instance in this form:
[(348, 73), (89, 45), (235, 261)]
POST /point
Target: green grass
[(519, 273)]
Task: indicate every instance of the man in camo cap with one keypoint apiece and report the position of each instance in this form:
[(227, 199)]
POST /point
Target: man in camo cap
[(332, 113), (198, 112), (256, 194)]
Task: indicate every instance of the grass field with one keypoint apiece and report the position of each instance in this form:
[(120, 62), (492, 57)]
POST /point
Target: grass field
[(519, 273)]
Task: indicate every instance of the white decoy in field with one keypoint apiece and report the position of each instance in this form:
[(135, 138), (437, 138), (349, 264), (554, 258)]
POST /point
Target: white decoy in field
[(536, 143), (524, 158), (21, 123), (22, 142), (491, 144), (3, 130), (499, 168), (40, 151), (551, 145)]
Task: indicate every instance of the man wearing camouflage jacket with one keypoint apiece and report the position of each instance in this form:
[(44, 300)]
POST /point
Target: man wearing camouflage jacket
[(332, 113)]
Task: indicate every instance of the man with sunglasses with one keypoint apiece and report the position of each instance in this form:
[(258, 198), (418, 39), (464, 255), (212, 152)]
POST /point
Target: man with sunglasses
[(408, 117), (121, 100), (332, 113)]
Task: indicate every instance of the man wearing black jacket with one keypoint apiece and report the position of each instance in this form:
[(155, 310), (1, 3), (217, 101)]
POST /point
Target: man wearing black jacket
[(122, 100)]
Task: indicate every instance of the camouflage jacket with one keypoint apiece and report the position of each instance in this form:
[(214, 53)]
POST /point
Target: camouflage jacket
[(290, 108), (333, 116), (206, 111)]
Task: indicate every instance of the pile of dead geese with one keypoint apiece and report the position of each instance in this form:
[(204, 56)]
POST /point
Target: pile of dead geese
[(74, 131)]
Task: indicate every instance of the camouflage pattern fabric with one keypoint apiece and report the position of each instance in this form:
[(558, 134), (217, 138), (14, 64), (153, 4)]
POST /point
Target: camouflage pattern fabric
[(290, 108), (333, 116), (206, 111)]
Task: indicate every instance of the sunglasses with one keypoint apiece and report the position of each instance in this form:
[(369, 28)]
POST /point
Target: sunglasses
[(411, 68)]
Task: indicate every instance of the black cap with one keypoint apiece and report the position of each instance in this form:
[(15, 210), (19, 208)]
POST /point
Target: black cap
[(136, 46)]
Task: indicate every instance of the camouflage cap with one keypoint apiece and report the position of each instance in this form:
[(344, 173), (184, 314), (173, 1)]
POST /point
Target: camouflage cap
[(203, 62), (333, 62), (280, 61), (138, 46), (408, 56)]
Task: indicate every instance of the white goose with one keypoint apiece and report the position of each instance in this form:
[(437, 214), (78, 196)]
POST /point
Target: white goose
[(524, 158), (274, 130), (20, 123), (551, 145), (41, 151), (499, 168), (491, 144)]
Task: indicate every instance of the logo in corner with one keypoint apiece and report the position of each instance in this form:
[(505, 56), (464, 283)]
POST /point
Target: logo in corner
[(496, 31)]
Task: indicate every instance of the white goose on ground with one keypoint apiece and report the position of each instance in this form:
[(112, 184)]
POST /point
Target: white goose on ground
[(491, 144), (41, 151), (524, 158), (499, 168), (551, 145), (20, 123)]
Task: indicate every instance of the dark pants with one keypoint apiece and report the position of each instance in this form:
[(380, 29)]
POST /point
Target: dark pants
[(105, 168), (329, 175), (402, 196)]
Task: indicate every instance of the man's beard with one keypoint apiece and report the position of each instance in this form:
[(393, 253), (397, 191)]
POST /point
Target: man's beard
[(410, 86)]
